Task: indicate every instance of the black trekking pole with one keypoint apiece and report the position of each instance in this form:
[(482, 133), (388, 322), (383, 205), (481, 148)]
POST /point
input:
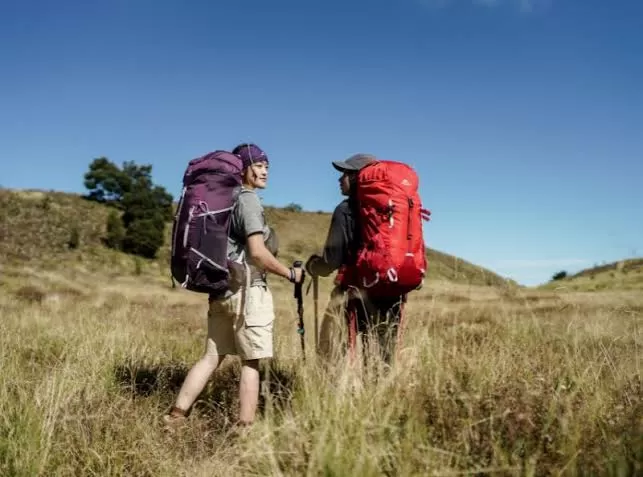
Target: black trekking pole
[(300, 308), (316, 301), (315, 284)]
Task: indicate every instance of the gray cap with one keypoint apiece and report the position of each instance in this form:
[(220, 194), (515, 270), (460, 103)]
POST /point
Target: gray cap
[(354, 163)]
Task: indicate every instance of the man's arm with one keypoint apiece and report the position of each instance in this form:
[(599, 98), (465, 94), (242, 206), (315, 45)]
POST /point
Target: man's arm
[(250, 218), (262, 257), (337, 242)]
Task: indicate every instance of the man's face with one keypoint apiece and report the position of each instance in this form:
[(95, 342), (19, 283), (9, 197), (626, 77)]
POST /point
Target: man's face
[(345, 183), (257, 175)]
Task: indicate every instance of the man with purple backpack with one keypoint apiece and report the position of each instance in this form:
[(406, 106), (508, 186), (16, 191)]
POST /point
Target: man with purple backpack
[(227, 253)]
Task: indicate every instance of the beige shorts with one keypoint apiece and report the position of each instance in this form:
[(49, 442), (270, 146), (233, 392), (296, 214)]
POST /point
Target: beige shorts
[(242, 324)]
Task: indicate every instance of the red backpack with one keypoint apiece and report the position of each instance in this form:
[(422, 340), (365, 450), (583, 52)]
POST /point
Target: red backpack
[(391, 258)]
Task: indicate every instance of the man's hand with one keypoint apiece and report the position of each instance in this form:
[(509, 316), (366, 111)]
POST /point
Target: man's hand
[(310, 264), (299, 275)]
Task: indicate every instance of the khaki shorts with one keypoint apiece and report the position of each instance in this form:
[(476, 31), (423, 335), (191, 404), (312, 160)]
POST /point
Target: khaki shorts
[(242, 324)]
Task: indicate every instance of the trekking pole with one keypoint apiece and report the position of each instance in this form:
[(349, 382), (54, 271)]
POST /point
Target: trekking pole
[(315, 284), (300, 309), (316, 307)]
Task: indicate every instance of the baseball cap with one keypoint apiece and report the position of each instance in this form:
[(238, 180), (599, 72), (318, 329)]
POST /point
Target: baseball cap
[(249, 154), (354, 163)]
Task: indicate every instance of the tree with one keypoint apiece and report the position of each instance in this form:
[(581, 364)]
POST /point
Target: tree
[(146, 212), (143, 202), (138, 174), (105, 181), (146, 207)]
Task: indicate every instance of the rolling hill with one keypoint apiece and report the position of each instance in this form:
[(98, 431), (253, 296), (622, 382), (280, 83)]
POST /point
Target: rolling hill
[(620, 275), (36, 228)]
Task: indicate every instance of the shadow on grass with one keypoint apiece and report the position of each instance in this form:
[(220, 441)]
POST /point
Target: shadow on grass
[(220, 396), (142, 380), (278, 386)]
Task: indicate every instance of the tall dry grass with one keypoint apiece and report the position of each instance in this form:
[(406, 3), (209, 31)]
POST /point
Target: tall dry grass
[(487, 382)]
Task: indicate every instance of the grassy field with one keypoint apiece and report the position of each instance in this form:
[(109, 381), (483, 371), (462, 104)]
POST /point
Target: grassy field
[(492, 378), (489, 382)]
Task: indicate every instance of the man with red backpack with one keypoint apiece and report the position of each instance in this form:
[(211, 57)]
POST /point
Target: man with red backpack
[(375, 242)]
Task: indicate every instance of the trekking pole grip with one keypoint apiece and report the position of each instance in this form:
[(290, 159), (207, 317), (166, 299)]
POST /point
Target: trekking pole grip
[(297, 264), (298, 286)]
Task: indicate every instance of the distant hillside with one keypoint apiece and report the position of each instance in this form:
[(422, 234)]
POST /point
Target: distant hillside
[(623, 275), (36, 228)]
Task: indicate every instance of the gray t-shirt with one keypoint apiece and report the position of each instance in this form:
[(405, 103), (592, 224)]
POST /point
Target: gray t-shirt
[(247, 218)]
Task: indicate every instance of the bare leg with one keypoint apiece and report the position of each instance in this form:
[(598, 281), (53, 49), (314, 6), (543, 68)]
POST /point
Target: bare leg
[(249, 391), (197, 378)]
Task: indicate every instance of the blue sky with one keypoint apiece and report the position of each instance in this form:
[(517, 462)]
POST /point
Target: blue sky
[(523, 118)]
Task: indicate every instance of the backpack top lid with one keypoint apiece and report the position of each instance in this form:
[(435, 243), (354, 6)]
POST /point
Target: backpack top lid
[(215, 161)]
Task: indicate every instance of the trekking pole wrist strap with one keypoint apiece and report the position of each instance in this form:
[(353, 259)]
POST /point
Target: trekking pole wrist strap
[(291, 278)]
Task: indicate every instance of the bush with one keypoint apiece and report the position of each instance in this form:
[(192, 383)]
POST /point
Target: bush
[(74, 238), (560, 275), (143, 237), (46, 203), (138, 266), (115, 231), (292, 207)]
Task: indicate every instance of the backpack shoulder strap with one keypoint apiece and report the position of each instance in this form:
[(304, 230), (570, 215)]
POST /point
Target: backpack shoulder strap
[(232, 233), (238, 196)]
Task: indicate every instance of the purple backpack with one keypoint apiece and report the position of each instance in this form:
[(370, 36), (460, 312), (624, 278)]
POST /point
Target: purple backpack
[(199, 255)]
